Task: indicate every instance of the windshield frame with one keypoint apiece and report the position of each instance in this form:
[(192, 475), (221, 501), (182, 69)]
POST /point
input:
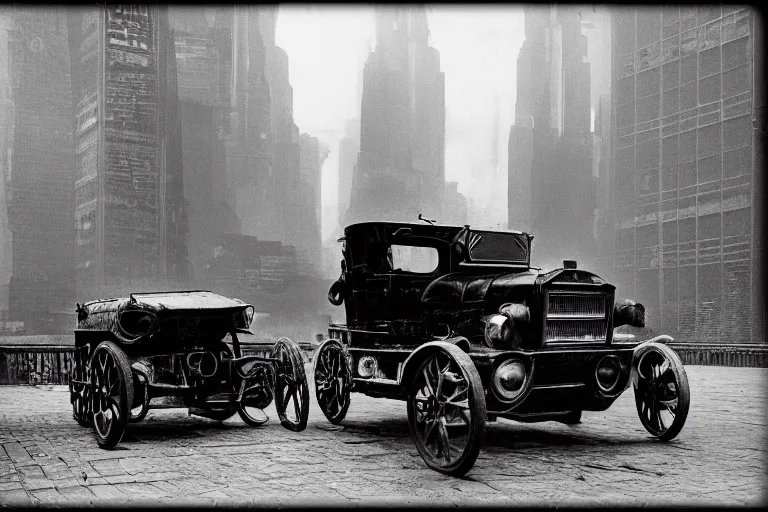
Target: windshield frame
[(520, 237)]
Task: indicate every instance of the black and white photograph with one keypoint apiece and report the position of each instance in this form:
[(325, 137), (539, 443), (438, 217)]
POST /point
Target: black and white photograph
[(382, 255)]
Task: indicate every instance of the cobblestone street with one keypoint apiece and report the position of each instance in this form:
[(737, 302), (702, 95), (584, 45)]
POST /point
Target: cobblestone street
[(171, 458)]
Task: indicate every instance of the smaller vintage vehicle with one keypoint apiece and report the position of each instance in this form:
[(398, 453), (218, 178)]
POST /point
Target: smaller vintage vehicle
[(456, 322), (167, 350)]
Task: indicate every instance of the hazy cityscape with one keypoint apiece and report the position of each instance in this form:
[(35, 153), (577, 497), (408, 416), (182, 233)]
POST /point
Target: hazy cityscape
[(157, 147)]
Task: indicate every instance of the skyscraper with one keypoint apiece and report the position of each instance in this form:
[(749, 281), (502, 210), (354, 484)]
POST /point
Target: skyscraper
[(6, 131), (308, 245), (203, 46), (131, 221), (349, 147), (401, 166), (37, 137), (688, 92), (551, 187)]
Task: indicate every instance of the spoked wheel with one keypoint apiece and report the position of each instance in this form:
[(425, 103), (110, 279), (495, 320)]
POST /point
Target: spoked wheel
[(112, 395), (446, 411), (79, 386), (333, 380), (291, 391), (661, 391)]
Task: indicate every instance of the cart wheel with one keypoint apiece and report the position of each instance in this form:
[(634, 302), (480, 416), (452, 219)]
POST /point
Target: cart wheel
[(333, 380), (79, 390), (112, 397), (446, 412), (662, 395), (291, 386)]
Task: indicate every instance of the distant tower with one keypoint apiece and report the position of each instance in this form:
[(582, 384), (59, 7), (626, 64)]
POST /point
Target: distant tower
[(401, 167), (551, 189)]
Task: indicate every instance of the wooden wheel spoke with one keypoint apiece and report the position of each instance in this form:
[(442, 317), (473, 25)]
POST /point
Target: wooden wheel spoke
[(670, 406), (285, 398), (459, 397), (428, 383), (430, 429), (296, 405), (440, 380), (445, 440), (462, 405)]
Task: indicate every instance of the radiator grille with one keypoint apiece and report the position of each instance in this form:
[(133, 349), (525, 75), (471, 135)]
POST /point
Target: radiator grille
[(576, 305), (576, 317)]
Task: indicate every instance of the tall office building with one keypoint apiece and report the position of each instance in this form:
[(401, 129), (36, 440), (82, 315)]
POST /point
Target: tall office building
[(36, 137), (551, 185), (689, 95), (308, 246), (6, 131), (204, 47), (131, 220), (401, 166), (349, 147)]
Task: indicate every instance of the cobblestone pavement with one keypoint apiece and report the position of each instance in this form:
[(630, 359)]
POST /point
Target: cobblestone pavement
[(171, 458)]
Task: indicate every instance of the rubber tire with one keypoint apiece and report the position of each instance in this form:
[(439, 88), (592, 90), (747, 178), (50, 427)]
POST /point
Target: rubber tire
[(683, 391), (300, 377), (125, 376), (333, 344), (476, 399)]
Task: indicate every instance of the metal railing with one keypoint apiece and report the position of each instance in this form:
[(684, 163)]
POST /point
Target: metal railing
[(721, 354), (52, 364)]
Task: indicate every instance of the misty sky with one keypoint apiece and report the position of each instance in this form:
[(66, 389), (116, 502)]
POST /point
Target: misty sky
[(327, 46)]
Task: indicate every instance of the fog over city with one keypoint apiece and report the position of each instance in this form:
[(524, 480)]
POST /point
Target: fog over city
[(227, 147)]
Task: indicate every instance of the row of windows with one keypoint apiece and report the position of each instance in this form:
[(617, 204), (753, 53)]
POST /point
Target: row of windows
[(733, 226), (705, 92), (683, 178), (651, 25), (685, 69), (732, 138)]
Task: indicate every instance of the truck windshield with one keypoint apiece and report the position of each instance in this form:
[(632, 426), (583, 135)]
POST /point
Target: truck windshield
[(498, 247)]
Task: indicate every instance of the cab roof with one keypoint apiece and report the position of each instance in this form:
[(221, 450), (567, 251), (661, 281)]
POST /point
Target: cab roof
[(447, 231)]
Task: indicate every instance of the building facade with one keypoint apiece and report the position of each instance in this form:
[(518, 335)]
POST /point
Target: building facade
[(36, 137), (308, 245), (204, 47), (349, 147), (689, 95), (130, 215), (551, 187), (400, 169), (6, 137)]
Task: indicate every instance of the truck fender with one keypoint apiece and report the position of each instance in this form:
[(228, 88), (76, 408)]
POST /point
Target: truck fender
[(457, 347)]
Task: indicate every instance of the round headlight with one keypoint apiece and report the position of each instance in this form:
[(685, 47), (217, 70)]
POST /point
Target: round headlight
[(136, 323), (497, 330), (249, 311), (509, 379), (366, 366), (607, 373)]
